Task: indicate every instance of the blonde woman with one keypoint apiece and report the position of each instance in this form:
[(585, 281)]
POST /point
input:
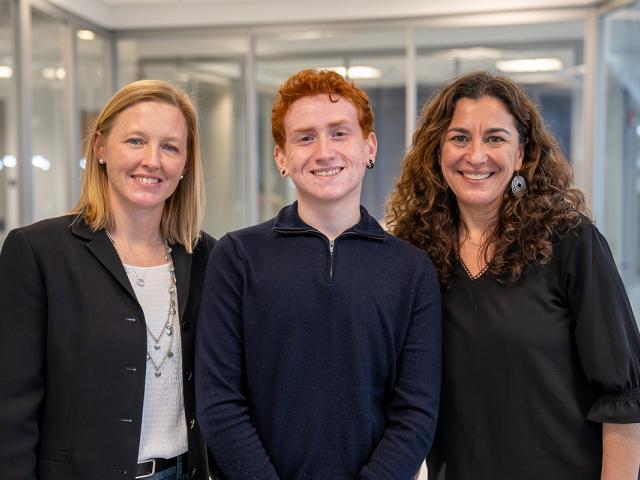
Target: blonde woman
[(98, 307)]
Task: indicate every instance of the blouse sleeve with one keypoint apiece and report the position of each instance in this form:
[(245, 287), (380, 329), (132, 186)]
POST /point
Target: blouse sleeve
[(606, 332)]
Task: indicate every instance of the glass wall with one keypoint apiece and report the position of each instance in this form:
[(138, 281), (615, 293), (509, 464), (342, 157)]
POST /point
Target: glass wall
[(49, 131), (8, 171), (213, 73), (93, 89), (375, 60), (619, 165)]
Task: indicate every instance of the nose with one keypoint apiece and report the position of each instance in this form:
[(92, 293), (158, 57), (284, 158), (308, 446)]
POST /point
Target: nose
[(151, 157), (325, 148), (477, 153)]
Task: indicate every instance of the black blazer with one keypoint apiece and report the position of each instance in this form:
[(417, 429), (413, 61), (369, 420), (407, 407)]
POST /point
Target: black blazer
[(73, 354)]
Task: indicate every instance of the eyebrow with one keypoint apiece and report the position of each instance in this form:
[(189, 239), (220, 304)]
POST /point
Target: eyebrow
[(336, 123), (488, 131)]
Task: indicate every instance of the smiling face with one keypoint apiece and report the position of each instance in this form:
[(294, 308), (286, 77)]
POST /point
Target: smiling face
[(145, 152), (325, 152), (481, 149)]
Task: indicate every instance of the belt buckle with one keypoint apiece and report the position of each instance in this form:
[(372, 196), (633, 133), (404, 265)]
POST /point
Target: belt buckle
[(153, 469)]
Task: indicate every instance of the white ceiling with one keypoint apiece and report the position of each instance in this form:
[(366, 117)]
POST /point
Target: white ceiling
[(134, 14)]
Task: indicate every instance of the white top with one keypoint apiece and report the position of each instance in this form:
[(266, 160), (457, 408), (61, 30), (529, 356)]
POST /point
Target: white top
[(164, 428)]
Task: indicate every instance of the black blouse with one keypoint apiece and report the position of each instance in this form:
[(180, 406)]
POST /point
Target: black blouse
[(532, 369)]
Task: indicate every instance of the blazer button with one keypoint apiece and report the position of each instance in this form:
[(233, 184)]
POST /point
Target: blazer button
[(188, 374), (192, 423), (185, 325)]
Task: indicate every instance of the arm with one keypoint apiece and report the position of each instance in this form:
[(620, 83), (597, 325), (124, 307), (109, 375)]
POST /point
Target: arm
[(22, 354), (221, 397), (413, 409), (609, 347), (620, 451)]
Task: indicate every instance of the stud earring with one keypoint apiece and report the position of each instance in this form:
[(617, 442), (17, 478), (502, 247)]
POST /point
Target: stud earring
[(283, 172), (371, 164), (518, 184), (181, 177), (101, 161)]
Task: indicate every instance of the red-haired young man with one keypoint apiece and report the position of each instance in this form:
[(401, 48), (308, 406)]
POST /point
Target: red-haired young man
[(319, 333)]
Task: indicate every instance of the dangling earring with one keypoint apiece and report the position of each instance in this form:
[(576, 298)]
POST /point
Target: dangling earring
[(101, 161), (371, 164), (518, 184)]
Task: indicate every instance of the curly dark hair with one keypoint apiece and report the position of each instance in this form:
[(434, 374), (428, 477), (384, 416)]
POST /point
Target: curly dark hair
[(423, 210)]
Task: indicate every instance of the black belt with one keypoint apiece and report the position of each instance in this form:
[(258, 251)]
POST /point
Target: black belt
[(155, 465)]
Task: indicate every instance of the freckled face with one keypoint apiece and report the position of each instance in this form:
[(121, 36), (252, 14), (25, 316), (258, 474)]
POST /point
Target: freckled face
[(325, 152), (145, 152), (480, 151)]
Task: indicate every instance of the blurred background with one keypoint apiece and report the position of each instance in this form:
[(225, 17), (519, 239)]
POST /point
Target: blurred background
[(61, 60)]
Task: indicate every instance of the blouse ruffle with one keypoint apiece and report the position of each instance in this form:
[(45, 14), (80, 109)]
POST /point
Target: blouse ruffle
[(622, 407)]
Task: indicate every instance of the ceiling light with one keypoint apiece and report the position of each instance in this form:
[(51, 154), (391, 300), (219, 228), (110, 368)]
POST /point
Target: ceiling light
[(474, 53), (85, 35), (9, 161), (40, 162), (363, 72), (357, 72), (527, 65), (6, 71)]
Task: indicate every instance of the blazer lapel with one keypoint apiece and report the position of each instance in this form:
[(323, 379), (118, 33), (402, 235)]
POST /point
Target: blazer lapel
[(182, 264), (100, 246)]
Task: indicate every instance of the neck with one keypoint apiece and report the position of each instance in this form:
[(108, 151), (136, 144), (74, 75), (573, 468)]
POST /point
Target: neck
[(329, 219), (137, 227), (476, 223)]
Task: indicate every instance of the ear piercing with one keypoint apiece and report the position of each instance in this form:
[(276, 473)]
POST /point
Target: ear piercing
[(371, 164), (101, 161)]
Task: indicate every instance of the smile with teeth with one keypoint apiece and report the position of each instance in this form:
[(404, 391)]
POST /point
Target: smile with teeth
[(332, 172), (146, 179), (476, 176)]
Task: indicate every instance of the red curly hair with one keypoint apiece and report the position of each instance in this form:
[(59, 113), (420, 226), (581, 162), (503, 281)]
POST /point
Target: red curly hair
[(314, 82), (423, 210)]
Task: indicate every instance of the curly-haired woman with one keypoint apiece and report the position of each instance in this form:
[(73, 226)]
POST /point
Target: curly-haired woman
[(541, 360)]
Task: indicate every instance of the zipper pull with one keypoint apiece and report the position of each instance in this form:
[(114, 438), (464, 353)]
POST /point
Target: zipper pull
[(331, 247)]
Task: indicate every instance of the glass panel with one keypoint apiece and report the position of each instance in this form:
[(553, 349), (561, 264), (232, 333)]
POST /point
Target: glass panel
[(546, 59), (50, 152), (383, 52), (213, 74), (91, 86), (9, 214), (621, 219)]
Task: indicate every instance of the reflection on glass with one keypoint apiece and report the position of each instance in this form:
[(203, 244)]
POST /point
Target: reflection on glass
[(8, 170), (216, 85), (49, 149), (621, 222), (375, 60), (91, 87)]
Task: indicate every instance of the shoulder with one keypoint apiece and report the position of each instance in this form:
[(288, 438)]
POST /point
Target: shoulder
[(205, 242), (254, 235), (48, 232)]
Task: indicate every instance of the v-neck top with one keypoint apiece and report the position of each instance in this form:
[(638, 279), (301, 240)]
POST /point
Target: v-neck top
[(532, 369)]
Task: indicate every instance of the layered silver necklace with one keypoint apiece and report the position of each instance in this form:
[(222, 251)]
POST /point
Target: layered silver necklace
[(171, 314)]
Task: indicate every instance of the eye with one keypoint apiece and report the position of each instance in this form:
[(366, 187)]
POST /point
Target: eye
[(494, 139), (304, 139), (171, 148), (459, 139), (341, 133), (135, 141)]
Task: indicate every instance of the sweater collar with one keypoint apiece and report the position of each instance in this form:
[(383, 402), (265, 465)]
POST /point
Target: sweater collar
[(288, 221)]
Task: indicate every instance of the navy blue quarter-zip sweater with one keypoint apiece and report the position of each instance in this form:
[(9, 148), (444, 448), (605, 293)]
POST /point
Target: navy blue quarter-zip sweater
[(318, 359)]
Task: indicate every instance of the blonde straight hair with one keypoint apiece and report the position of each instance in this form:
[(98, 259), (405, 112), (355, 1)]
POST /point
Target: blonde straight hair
[(183, 211)]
